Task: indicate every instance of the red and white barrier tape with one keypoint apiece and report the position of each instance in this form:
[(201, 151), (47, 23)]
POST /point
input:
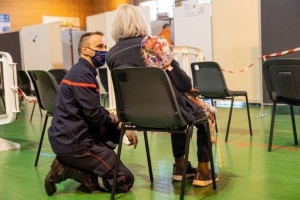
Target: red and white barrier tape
[(281, 53), (242, 69), (264, 58)]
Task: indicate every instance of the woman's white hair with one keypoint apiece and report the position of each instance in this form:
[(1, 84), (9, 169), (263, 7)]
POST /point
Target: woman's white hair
[(129, 22)]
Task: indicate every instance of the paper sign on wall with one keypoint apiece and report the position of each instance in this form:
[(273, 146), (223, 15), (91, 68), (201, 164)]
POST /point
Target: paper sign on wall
[(192, 8), (4, 23)]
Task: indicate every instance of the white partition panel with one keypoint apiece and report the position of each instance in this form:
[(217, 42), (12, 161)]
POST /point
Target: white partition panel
[(76, 35), (236, 44), (42, 46)]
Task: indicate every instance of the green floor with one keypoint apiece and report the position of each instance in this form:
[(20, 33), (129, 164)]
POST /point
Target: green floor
[(245, 168)]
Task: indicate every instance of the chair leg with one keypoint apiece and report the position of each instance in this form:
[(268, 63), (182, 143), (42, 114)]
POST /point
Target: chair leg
[(211, 159), (272, 126), (186, 158), (213, 104), (40, 110), (148, 156), (229, 119), (248, 113), (32, 111), (294, 126), (41, 140), (114, 184)]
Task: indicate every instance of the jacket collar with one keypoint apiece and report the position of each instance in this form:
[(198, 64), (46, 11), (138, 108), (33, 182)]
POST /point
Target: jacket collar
[(88, 65)]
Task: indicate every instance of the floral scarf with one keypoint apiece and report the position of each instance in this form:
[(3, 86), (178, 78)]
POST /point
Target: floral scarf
[(156, 52)]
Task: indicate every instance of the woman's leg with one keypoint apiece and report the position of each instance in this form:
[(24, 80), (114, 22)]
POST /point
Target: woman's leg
[(203, 176)]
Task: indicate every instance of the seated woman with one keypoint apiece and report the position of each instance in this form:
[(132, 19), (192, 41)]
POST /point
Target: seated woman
[(129, 29)]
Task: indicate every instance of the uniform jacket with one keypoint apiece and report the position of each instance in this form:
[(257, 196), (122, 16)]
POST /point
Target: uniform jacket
[(78, 114)]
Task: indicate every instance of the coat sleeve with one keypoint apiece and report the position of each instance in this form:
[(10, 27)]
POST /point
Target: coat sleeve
[(179, 78)]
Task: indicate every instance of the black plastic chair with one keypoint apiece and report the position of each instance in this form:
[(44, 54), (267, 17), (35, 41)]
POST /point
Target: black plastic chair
[(58, 74), (283, 85), (209, 79), (46, 89), (145, 99), (104, 81), (24, 85)]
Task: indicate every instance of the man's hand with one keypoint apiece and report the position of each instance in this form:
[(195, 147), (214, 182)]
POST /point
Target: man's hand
[(132, 138), (114, 118)]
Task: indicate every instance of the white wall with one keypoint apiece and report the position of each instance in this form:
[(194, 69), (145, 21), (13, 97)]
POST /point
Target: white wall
[(236, 43), (103, 22), (41, 46)]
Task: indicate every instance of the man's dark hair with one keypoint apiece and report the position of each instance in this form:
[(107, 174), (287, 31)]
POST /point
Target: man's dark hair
[(166, 25), (85, 37)]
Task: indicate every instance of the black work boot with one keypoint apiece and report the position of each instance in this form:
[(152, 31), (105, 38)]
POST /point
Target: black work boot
[(60, 172)]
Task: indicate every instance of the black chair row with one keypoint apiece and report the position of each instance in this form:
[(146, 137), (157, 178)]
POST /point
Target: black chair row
[(145, 112), (24, 84), (281, 77), (45, 88)]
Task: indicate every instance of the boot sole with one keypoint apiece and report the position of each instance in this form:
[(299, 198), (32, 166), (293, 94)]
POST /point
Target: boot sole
[(203, 183), (179, 177)]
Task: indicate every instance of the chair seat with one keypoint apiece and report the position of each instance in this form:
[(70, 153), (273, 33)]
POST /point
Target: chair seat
[(176, 129), (236, 93), (289, 100), (229, 94)]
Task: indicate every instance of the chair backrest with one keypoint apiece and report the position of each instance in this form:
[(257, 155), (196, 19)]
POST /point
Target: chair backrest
[(103, 78), (24, 82), (145, 97), (209, 79), (58, 74), (45, 87), (282, 77)]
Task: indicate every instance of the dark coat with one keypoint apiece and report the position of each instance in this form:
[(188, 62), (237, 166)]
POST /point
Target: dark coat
[(127, 51)]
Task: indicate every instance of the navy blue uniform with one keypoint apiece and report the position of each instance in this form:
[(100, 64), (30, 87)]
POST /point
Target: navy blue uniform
[(75, 129)]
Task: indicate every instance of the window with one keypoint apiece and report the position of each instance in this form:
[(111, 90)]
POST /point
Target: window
[(162, 7)]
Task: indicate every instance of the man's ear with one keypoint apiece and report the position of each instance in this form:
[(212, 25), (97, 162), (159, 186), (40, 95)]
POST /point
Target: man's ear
[(84, 50)]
